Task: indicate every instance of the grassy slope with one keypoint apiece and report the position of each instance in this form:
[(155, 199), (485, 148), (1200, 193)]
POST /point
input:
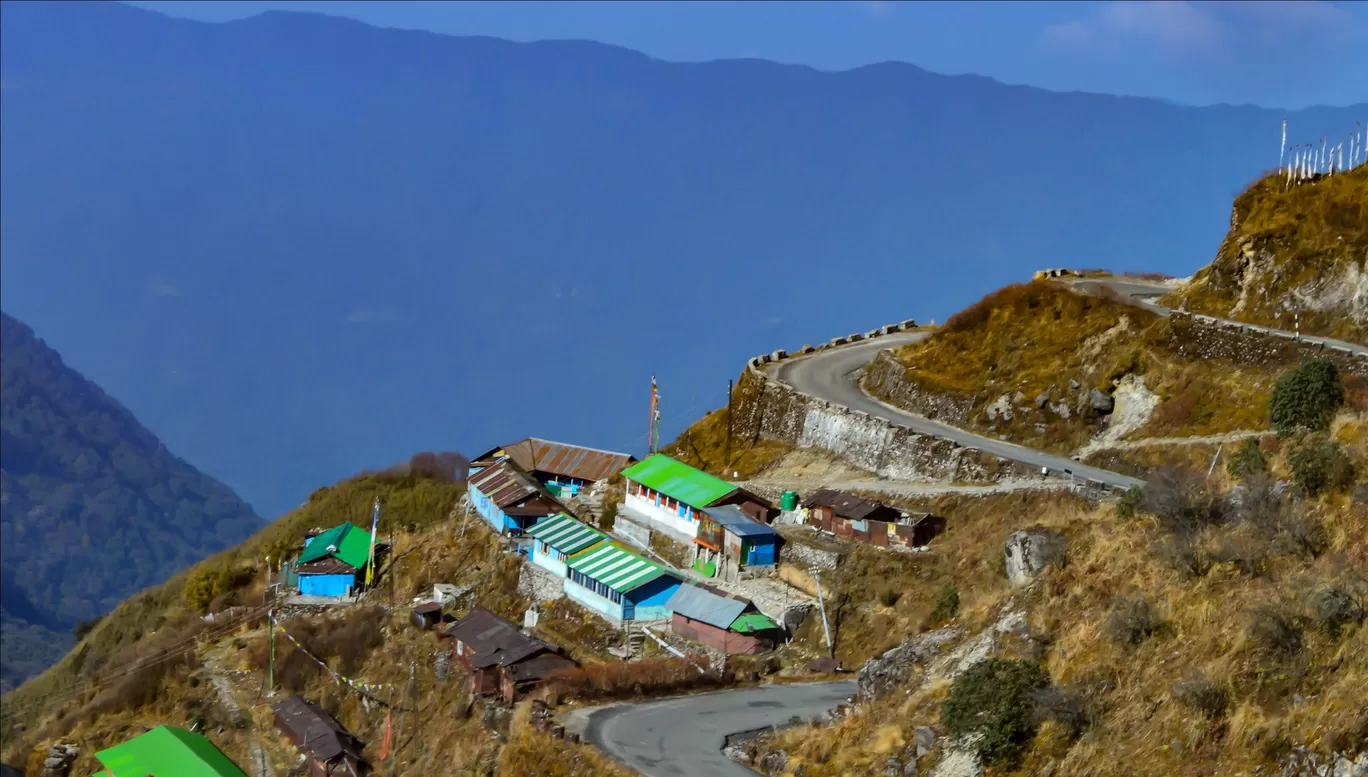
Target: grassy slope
[(1206, 629), (1311, 232), (1037, 337)]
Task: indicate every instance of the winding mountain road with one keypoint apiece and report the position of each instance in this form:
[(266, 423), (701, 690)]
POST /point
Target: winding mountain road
[(683, 737), (833, 375)]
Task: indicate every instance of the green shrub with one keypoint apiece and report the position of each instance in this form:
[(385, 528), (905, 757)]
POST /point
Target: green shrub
[(1247, 461), (889, 596), (1306, 398), (1320, 465), (207, 584), (1130, 503), (1337, 610), (608, 517), (946, 605), (993, 700)]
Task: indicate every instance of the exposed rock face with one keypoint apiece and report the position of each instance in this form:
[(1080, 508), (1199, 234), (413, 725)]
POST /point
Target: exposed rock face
[(1026, 553), (886, 378), (59, 760), (1000, 409), (1100, 401), (1305, 763), (882, 673)]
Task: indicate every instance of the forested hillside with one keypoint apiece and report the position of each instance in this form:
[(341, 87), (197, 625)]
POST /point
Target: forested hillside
[(94, 506)]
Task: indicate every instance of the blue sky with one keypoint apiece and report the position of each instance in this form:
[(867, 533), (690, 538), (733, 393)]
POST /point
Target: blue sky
[(1273, 54)]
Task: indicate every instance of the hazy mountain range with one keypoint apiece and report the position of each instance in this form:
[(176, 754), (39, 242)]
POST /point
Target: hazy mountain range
[(93, 507), (297, 246)]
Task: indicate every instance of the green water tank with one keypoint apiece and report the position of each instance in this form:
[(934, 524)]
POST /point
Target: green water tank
[(789, 501)]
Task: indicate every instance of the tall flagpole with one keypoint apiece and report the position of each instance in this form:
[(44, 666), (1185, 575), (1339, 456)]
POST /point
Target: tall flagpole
[(375, 524), (1282, 148)]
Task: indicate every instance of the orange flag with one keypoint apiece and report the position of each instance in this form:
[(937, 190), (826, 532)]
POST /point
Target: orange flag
[(384, 745)]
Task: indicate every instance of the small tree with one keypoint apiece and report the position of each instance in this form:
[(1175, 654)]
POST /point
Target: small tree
[(1248, 460), (1306, 398), (1320, 465), (946, 605), (206, 585), (994, 701)]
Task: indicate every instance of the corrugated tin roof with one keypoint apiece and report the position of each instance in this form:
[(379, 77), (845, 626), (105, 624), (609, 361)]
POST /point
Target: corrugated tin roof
[(700, 604), (676, 479), (734, 520), (566, 534), (558, 458), (507, 485), (168, 750), (318, 733), (496, 641), (615, 567), (326, 566), (752, 622), (540, 668), (351, 543), (845, 505)]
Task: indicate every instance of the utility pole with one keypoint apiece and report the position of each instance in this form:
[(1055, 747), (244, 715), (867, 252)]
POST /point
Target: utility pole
[(270, 671), (389, 568), (727, 467)]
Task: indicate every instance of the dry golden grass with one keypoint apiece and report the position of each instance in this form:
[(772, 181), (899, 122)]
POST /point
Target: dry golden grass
[(1313, 232), (704, 444), (1033, 339), (1311, 696)]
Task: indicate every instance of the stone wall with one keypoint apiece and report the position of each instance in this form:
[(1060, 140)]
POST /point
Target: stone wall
[(769, 410), (1203, 337), (886, 378), (808, 557), (538, 584)]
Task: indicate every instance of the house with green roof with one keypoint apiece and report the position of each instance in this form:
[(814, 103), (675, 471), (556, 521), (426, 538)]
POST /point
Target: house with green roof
[(166, 751), (668, 496), (556, 538), (619, 584), (330, 562)]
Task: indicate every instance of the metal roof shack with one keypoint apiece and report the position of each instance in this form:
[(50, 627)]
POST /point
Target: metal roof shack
[(699, 603), (566, 534), (167, 750), (501, 657), (514, 491), (678, 480), (558, 458), (852, 507), (346, 542), (737, 522), (328, 746)]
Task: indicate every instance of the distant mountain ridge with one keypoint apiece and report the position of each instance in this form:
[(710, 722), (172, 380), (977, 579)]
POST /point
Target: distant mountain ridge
[(306, 244), (92, 506)]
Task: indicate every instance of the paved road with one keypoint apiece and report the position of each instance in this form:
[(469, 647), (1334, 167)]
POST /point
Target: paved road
[(831, 375), (683, 737), (1144, 292)]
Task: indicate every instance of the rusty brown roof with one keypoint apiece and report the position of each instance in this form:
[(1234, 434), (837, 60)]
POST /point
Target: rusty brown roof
[(314, 731), (559, 458), (849, 506), (496, 641), (326, 566), (507, 485), (540, 668)]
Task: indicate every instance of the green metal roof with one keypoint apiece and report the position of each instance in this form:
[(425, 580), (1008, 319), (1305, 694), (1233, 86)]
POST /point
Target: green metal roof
[(752, 622), (352, 543), (675, 478), (566, 534), (615, 567), (167, 751)]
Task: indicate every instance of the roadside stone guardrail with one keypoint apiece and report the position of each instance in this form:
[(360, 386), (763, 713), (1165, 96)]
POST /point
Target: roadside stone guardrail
[(873, 443), (1206, 337)]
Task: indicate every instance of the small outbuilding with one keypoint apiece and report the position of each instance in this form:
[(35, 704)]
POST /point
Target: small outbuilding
[(329, 749), (502, 659), (728, 624), (864, 520), (427, 615), (728, 534), (330, 562)]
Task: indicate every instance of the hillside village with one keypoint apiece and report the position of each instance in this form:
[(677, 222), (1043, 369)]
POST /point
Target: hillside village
[(1175, 555)]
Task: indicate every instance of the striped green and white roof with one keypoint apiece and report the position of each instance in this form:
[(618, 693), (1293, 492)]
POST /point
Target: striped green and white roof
[(566, 534), (617, 568)]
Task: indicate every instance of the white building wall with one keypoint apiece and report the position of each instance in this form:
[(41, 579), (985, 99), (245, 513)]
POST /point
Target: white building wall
[(670, 519)]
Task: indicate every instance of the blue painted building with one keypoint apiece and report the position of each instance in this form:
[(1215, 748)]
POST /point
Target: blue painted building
[(726, 533), (509, 499), (331, 561), (556, 539), (620, 585)]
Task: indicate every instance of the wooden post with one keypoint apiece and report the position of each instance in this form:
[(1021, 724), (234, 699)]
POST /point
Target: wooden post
[(727, 466), (821, 603)]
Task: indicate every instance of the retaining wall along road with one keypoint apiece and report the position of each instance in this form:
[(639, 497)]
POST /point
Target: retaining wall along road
[(772, 410), (1204, 337)]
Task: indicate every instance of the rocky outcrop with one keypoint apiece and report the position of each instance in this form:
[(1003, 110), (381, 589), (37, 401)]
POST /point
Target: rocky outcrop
[(1305, 763), (1027, 553), (892, 669), (59, 760)]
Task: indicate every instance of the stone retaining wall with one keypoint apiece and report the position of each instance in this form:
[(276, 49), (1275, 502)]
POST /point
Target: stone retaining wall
[(771, 410), (538, 584), (1203, 337), (886, 378)]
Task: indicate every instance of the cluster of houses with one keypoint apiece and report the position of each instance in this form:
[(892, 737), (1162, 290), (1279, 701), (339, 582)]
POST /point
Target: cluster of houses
[(521, 490)]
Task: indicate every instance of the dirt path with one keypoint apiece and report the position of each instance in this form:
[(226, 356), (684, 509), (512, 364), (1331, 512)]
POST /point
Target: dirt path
[(258, 764), (1149, 442)]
